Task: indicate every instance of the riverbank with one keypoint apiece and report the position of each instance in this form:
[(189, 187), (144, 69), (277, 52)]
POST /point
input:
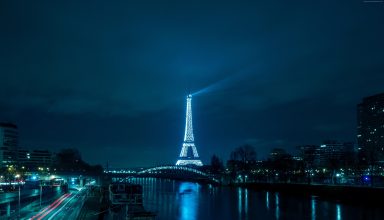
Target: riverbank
[(364, 195), (95, 205)]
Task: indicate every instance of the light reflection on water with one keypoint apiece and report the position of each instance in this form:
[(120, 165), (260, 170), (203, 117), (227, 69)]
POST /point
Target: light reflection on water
[(246, 203), (173, 200), (188, 193), (313, 208), (242, 197), (239, 198), (338, 212), (277, 208)]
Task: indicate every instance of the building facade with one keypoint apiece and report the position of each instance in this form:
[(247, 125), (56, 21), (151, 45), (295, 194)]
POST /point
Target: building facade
[(33, 159), (9, 141), (310, 155), (336, 154), (370, 128), (41, 158)]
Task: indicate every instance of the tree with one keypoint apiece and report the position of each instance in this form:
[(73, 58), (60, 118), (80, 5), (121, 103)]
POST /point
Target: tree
[(245, 154), (216, 165), (281, 162), (69, 160), (242, 159)]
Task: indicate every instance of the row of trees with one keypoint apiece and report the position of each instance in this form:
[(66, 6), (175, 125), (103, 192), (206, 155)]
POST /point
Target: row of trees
[(70, 160), (283, 167), (242, 158)]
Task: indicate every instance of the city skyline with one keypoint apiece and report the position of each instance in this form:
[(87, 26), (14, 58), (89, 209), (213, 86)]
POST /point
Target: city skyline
[(111, 81)]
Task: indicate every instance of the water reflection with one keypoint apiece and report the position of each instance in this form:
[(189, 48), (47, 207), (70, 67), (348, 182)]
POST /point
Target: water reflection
[(174, 200), (277, 211), (338, 212), (313, 208), (188, 201), (246, 203), (239, 198), (242, 200)]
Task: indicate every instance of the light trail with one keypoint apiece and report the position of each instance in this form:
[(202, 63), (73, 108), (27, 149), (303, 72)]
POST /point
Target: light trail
[(54, 214), (46, 208), (51, 207), (54, 207)]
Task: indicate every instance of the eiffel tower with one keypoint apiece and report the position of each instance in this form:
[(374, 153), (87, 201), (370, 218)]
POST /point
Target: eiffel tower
[(188, 154)]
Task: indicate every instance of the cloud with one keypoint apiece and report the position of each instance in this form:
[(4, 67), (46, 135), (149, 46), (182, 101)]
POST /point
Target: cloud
[(276, 70), (334, 128)]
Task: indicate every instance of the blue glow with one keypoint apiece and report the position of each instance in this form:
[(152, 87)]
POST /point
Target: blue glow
[(267, 200), (239, 198), (189, 140), (226, 82), (188, 201), (277, 211), (188, 135), (213, 87), (246, 203), (313, 208), (338, 212)]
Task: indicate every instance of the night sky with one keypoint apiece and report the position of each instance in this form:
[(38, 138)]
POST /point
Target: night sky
[(110, 78)]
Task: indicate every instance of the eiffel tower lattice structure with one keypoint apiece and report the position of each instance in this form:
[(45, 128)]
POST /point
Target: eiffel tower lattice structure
[(188, 154)]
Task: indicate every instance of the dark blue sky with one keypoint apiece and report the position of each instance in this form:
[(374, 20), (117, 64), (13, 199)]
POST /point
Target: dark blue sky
[(110, 78)]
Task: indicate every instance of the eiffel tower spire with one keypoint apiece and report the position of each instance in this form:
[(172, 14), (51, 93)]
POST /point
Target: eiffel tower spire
[(186, 158)]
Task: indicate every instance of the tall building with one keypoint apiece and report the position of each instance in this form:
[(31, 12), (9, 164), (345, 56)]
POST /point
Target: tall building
[(277, 154), (335, 153), (310, 155), (188, 154), (41, 158), (23, 156), (370, 128), (32, 159), (9, 138)]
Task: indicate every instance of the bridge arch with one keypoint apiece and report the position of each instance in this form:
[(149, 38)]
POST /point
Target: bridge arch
[(180, 172)]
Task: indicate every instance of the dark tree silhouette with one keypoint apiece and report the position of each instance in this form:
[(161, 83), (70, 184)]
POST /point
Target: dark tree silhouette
[(245, 154), (216, 165), (69, 160), (281, 162), (242, 159)]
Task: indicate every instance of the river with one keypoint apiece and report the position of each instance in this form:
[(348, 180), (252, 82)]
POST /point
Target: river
[(174, 200)]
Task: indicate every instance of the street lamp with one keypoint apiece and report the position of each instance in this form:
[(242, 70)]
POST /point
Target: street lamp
[(18, 183), (19, 199), (41, 191)]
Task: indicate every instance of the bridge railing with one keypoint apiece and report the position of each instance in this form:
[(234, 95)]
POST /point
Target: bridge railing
[(160, 169)]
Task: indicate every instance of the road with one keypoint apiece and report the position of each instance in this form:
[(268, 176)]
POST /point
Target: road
[(65, 207)]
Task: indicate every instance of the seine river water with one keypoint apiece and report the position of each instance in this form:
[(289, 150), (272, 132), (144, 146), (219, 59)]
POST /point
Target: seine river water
[(192, 201)]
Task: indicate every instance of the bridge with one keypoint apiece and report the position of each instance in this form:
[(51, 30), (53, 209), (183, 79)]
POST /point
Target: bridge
[(166, 172)]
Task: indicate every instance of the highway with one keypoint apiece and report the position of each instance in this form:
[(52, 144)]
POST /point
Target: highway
[(67, 206)]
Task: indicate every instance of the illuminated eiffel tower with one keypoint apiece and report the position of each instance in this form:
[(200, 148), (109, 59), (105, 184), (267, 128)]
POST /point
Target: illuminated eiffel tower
[(188, 154)]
